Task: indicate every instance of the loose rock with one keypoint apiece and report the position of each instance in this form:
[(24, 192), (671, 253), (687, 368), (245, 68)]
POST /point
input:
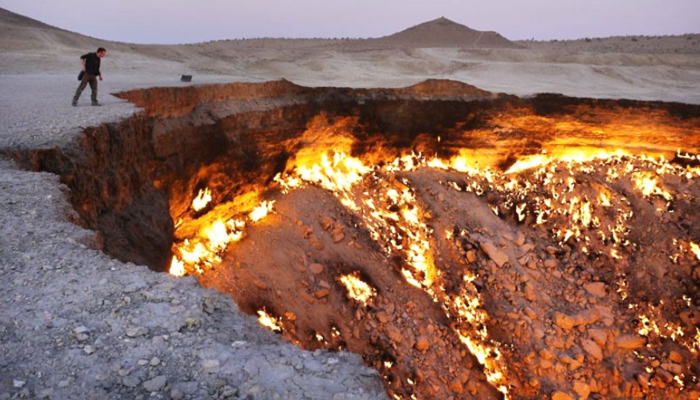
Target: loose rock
[(499, 257), (155, 384)]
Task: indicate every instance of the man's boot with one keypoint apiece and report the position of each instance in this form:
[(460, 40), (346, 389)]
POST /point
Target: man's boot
[(93, 97)]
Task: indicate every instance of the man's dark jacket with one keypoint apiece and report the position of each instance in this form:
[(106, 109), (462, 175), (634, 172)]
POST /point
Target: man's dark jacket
[(92, 64)]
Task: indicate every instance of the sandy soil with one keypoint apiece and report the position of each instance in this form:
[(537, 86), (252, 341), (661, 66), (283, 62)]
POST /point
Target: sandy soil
[(77, 324)]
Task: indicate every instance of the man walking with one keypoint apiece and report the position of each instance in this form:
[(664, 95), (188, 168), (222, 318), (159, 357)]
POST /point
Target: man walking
[(91, 71)]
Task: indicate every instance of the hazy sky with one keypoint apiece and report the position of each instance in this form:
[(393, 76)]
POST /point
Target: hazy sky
[(185, 21)]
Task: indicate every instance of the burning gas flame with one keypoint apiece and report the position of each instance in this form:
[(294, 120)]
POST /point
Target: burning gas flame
[(202, 199), (177, 267), (568, 156), (649, 185), (695, 249), (261, 211), (212, 240), (357, 289), (270, 322)]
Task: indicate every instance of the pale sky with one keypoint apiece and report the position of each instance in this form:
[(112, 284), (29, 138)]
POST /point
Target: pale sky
[(189, 21)]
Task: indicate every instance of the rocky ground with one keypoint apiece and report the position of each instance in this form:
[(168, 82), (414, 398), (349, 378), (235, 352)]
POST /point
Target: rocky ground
[(77, 324)]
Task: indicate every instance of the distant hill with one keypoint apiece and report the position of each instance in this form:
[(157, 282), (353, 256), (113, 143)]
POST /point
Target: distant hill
[(443, 32), (20, 33)]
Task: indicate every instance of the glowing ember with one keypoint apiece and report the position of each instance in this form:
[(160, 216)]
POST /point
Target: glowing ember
[(212, 241), (202, 200), (270, 322), (177, 267), (567, 156), (695, 249), (529, 162), (649, 185), (357, 289), (261, 211)]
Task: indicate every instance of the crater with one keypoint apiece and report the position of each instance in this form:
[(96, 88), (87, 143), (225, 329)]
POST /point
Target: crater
[(466, 244)]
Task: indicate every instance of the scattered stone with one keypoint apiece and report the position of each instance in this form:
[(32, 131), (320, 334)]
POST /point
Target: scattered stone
[(530, 293), (592, 349), (259, 284), (528, 247), (316, 268), (675, 356), (630, 342), (80, 330), (494, 253), (316, 242), (155, 384), (573, 364), (561, 396), (322, 293), (89, 350), (46, 393), (456, 387), (309, 299), (18, 383), (673, 368), (664, 375), (130, 381), (582, 389), (599, 336), (326, 222), (211, 365), (383, 317), (338, 234), (394, 334), (596, 289), (135, 332), (643, 380), (422, 343), (191, 323), (154, 361), (587, 317), (229, 392), (176, 394), (564, 321)]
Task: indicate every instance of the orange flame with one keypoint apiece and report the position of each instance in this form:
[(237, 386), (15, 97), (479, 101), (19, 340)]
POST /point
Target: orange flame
[(270, 322), (648, 185), (177, 267), (695, 249), (357, 289), (203, 198), (261, 211)]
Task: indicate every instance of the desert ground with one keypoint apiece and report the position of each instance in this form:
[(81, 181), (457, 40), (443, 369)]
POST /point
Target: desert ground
[(77, 323)]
